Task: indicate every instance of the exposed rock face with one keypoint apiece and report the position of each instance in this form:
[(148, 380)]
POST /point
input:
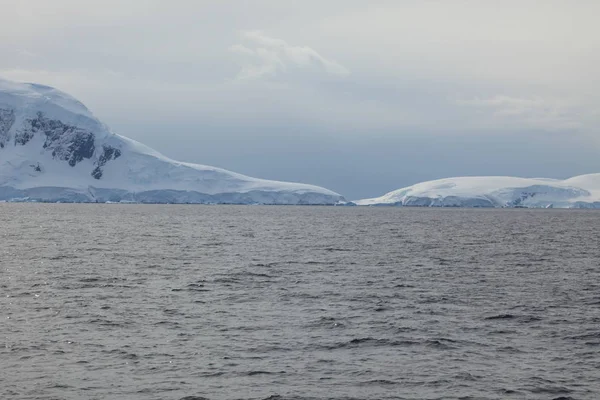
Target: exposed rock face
[(36, 167), (108, 153), (7, 119), (67, 143)]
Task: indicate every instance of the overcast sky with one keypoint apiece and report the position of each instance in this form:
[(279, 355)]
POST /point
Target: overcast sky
[(361, 97)]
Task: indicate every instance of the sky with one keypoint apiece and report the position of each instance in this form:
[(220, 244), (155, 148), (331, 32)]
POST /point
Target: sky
[(361, 97)]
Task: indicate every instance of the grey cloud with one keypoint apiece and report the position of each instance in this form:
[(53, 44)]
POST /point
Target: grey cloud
[(376, 94), (553, 114), (264, 56)]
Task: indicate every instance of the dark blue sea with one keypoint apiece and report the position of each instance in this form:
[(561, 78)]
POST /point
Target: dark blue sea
[(264, 302)]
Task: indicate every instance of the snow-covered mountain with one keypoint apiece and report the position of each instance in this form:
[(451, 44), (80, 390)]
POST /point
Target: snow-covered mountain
[(497, 191), (53, 149)]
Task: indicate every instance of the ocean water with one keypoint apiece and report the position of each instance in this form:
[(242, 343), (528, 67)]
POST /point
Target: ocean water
[(228, 302)]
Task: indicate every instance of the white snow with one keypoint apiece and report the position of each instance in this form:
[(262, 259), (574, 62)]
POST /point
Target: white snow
[(497, 191), (28, 98), (138, 171), (34, 171)]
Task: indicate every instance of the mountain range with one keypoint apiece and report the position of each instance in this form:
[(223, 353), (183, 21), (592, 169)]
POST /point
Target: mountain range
[(53, 149), (496, 191)]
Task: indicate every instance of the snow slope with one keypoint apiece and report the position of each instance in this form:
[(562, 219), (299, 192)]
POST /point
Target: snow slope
[(53, 149), (497, 191)]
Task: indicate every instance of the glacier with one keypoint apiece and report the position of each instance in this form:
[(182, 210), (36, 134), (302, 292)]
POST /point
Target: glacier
[(53, 149), (496, 191)]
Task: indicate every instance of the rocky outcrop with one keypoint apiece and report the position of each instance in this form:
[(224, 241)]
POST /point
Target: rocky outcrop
[(67, 143), (108, 153), (7, 119)]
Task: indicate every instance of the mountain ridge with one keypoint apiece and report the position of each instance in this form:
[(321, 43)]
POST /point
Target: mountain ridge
[(52, 148), (581, 191)]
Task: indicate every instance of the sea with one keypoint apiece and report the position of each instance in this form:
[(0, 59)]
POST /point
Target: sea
[(109, 301)]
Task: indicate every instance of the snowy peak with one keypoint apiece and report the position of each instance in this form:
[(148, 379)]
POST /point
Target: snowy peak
[(497, 191), (28, 99), (64, 142), (53, 149)]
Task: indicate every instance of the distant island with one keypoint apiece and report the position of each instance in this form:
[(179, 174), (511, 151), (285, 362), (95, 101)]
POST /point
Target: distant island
[(53, 149), (496, 191)]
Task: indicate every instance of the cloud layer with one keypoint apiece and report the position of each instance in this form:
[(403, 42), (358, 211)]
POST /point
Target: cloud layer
[(263, 56), (552, 114), (404, 90)]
